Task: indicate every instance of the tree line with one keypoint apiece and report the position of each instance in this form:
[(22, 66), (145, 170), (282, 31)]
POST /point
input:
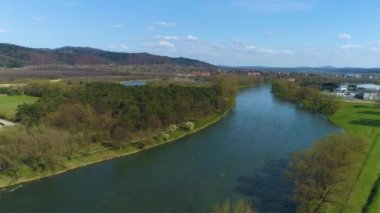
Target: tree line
[(309, 98)]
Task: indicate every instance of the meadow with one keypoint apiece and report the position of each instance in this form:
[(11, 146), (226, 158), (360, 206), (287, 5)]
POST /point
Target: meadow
[(8, 105)]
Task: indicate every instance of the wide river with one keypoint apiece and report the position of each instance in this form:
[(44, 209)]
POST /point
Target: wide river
[(242, 156)]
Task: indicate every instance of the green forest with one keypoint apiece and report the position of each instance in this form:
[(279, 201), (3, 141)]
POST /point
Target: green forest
[(71, 119), (308, 97)]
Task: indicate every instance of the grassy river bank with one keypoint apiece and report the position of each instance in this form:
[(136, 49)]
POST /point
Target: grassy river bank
[(362, 119), (358, 189)]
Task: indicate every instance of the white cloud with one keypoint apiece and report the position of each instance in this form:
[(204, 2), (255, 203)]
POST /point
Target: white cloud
[(344, 36), (242, 45), (268, 51), (251, 47), (161, 44), (151, 28), (178, 38), (165, 24), (124, 46), (171, 38), (373, 46), (350, 46), (276, 52), (117, 26), (118, 47), (286, 52), (165, 44), (191, 38), (243, 52)]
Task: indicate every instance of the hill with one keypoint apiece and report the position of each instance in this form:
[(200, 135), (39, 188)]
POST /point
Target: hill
[(13, 56), (325, 69)]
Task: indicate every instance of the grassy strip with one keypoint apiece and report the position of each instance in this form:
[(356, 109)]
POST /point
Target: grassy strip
[(373, 204), (8, 104), (362, 119), (98, 154)]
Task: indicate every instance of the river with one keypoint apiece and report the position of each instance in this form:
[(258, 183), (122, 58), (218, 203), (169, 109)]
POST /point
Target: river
[(241, 156)]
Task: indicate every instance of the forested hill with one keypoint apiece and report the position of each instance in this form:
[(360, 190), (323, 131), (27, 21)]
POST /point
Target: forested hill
[(17, 56)]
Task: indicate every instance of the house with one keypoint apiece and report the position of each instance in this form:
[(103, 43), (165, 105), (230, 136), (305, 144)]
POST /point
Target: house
[(368, 87), (370, 96), (368, 91), (342, 88), (201, 73), (254, 74)]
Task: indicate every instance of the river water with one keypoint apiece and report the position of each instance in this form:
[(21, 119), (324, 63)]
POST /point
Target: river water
[(242, 156)]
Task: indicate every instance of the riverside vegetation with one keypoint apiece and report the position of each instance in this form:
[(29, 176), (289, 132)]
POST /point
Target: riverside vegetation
[(339, 173), (71, 122), (324, 174), (362, 120), (309, 98)]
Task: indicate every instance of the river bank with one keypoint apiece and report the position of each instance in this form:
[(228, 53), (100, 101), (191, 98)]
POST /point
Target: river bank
[(361, 119), (105, 154), (242, 156)]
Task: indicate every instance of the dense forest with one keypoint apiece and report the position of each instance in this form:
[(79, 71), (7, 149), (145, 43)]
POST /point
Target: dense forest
[(309, 98), (68, 118)]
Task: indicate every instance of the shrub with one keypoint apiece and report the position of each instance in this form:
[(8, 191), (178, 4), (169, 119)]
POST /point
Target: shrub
[(189, 126)]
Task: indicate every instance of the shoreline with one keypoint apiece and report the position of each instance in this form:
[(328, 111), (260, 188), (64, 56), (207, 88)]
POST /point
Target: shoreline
[(364, 191), (108, 154)]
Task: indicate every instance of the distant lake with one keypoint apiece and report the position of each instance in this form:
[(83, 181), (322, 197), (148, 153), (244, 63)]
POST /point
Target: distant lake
[(134, 83), (242, 156)]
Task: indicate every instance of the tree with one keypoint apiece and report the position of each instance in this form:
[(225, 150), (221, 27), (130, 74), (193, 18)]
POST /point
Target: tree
[(28, 114), (323, 174)]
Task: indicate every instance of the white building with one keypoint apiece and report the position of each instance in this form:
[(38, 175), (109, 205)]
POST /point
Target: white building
[(369, 87), (369, 91), (342, 88)]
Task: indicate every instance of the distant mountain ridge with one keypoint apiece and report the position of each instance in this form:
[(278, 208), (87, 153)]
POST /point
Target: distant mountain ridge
[(12, 56), (325, 69)]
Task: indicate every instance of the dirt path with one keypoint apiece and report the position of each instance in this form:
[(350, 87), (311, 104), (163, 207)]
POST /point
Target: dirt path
[(4, 123)]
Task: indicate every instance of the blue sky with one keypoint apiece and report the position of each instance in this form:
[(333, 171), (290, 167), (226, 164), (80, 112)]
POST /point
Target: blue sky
[(283, 33)]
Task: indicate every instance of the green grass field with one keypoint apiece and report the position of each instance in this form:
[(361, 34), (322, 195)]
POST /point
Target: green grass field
[(363, 119), (8, 105)]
